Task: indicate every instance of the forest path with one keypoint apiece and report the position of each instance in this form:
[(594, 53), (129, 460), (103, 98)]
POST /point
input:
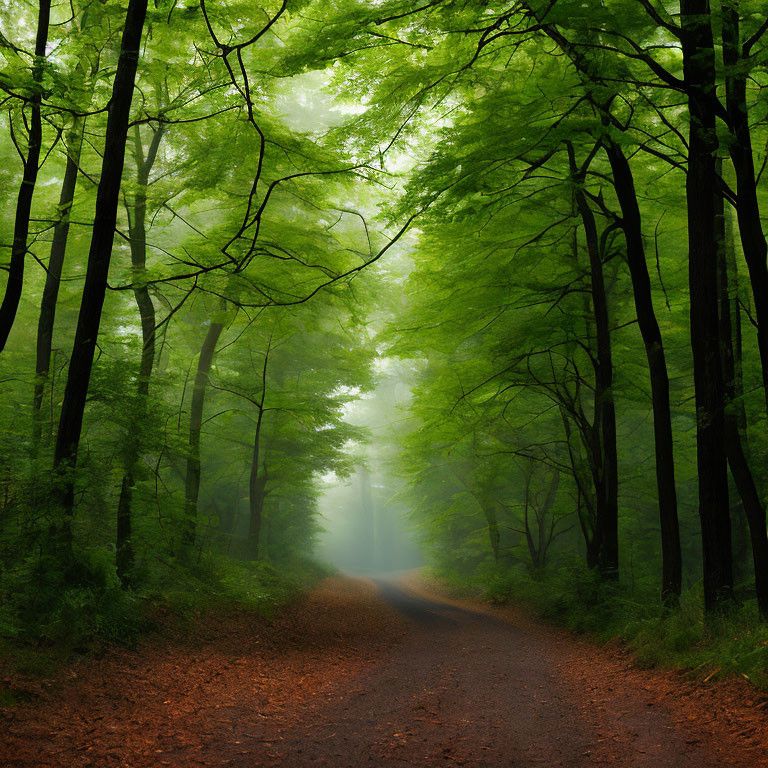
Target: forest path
[(467, 687), (384, 673)]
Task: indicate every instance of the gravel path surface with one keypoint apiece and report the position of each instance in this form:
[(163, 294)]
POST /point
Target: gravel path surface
[(385, 673), (466, 688)]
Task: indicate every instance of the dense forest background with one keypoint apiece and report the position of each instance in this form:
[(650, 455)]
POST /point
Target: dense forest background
[(531, 233)]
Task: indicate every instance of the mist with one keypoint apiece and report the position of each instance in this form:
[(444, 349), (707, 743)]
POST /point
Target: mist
[(364, 522)]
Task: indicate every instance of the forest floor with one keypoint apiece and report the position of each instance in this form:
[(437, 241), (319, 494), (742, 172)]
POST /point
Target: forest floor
[(377, 673)]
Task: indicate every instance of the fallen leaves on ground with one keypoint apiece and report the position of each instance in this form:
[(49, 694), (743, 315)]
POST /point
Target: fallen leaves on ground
[(161, 704)]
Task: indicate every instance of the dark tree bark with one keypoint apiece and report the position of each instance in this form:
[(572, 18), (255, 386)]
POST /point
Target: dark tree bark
[(257, 495), (257, 482), (671, 581), (649, 327), (737, 458), (603, 446), (701, 192), (94, 290), (585, 506), (488, 504), (547, 534), (53, 278), (539, 538), (734, 387), (734, 294), (137, 216), (192, 484), (15, 283), (747, 205), (579, 431), (605, 459)]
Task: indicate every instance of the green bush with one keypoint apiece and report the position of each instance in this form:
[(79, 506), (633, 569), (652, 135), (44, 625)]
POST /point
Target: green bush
[(48, 612)]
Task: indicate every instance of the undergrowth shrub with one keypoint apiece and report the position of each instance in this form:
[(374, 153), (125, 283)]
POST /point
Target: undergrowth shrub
[(47, 612)]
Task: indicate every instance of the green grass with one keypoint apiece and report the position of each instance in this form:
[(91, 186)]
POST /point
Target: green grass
[(732, 645)]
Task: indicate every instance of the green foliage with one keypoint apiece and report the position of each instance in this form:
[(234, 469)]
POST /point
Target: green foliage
[(277, 154), (72, 608), (233, 210)]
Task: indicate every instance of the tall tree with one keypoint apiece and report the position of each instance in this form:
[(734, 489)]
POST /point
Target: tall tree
[(605, 459), (631, 224), (737, 53), (15, 283), (257, 477), (137, 218), (99, 256), (735, 436), (702, 189), (192, 478), (53, 274)]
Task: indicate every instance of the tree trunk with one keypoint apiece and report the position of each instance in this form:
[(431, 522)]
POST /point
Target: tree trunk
[(739, 525), (192, 485), (745, 482), (487, 504), (545, 538), (737, 459), (533, 552), (94, 290), (649, 328), (671, 581), (604, 454), (53, 278), (257, 495), (585, 506), (15, 283), (138, 242), (747, 207), (257, 484), (701, 191)]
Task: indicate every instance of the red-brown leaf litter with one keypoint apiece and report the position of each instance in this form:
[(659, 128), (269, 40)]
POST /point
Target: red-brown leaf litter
[(389, 673)]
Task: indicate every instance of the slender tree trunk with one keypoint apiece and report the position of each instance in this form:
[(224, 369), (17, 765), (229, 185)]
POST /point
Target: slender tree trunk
[(53, 278), (257, 484), (739, 465), (701, 191), (585, 473), (734, 292), (747, 207), (585, 506), (94, 290), (671, 581), (529, 540), (257, 495), (740, 525), (138, 241), (545, 538), (754, 511), (737, 459), (192, 485), (649, 328), (487, 504), (15, 283), (604, 453)]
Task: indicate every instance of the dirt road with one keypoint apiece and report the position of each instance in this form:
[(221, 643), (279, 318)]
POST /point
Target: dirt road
[(386, 675)]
